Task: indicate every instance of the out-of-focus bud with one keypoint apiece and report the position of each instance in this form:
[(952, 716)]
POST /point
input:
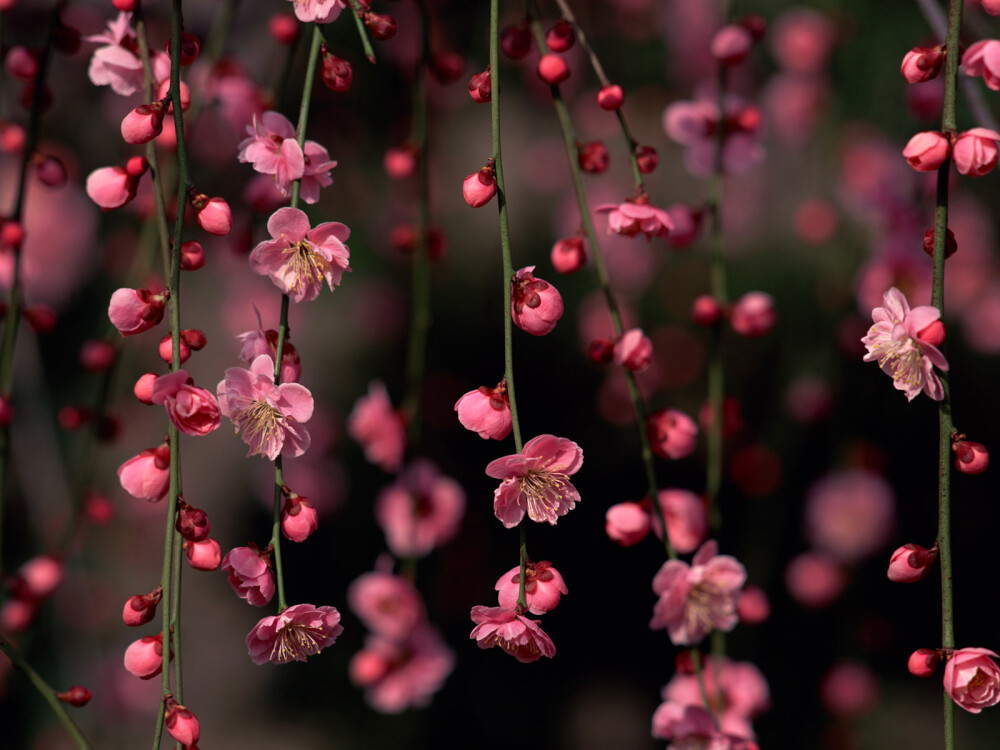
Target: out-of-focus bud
[(552, 69), (560, 37)]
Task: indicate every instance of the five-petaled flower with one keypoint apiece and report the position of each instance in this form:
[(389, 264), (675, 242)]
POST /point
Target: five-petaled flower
[(902, 341), (519, 636), (298, 632), (536, 480)]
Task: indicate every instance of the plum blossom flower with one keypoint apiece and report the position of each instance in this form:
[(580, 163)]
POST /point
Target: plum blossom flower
[(543, 587), (269, 417), (255, 343), (972, 679), (420, 511), (894, 342), (320, 11), (272, 149), (850, 514), (517, 635), (399, 674), (194, 410), (536, 480), (316, 173), (386, 604), (632, 217), (975, 151), (297, 258), (983, 59), (250, 574), (694, 124), (298, 632), (690, 728), (698, 598), (486, 411), (117, 63), (376, 426)]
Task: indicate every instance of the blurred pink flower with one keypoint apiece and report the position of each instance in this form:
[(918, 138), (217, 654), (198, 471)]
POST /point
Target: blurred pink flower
[(972, 679), (194, 410), (518, 636), (634, 350), (695, 124), (632, 217), (543, 587), (894, 342), (378, 428), (400, 674), (693, 728), (298, 632), (627, 523), (320, 11), (536, 480), (250, 574), (268, 417), (849, 690), (271, 149), (737, 692), (698, 598), (850, 514), (802, 39), (422, 510), (672, 433), (982, 58), (299, 258), (686, 517), (117, 63), (386, 604), (814, 580)]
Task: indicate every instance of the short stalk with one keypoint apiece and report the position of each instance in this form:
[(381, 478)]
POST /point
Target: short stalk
[(366, 44)]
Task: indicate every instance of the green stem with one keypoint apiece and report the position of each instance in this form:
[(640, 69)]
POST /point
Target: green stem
[(638, 403), (945, 425), (58, 708), (362, 31), (700, 675)]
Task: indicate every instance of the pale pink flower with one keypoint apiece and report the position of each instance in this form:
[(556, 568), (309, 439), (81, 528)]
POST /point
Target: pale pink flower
[(194, 410), (296, 633), (849, 690), (386, 604), (972, 679), (536, 306), (272, 149), (536, 481), (378, 428), (320, 11), (894, 342), (260, 342), (634, 350), (486, 411), (135, 310), (316, 174), (627, 523), (686, 517), (632, 217), (698, 598), (850, 514), (297, 258), (983, 59), (543, 587), (690, 727), (144, 657), (117, 63), (517, 635), (147, 475), (814, 580), (737, 692), (975, 151), (694, 124), (672, 433), (400, 674), (250, 574), (753, 315), (268, 417), (421, 511)]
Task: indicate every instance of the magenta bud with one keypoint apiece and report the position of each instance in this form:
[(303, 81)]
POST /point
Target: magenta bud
[(194, 338), (705, 311), (515, 41), (76, 696), (283, 28), (143, 389), (601, 351), (646, 158), (50, 171), (143, 123), (950, 243), (213, 214), (192, 256), (970, 457), (192, 523), (593, 157), (932, 334), (568, 255), (166, 350), (337, 74), (560, 37), (141, 608), (479, 187), (552, 69), (923, 662), (911, 563), (480, 87), (136, 166), (381, 26), (611, 97)]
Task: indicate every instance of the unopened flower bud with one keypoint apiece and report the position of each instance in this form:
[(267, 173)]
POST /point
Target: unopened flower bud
[(299, 518), (400, 162), (560, 37), (646, 158), (12, 234), (593, 157), (144, 657), (950, 243), (611, 97), (705, 311), (932, 334), (634, 351), (927, 151), (672, 433), (194, 338), (552, 69), (192, 523), (627, 523), (922, 64), (76, 696), (923, 662), (480, 87), (166, 350), (137, 166), (970, 457), (50, 171), (190, 47), (143, 389), (163, 95), (181, 722), (381, 26), (283, 28), (480, 187), (192, 256), (213, 214), (337, 74), (42, 319), (911, 563), (731, 44), (97, 355), (754, 315), (515, 41), (568, 255), (21, 63), (447, 66), (143, 123), (141, 608), (601, 351), (205, 555)]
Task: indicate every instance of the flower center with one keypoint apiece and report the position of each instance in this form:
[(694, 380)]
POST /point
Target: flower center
[(306, 266), (259, 422), (904, 362), (543, 490), (698, 612), (295, 642)]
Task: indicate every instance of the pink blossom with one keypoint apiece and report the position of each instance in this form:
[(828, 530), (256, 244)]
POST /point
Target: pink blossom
[(922, 64), (386, 604), (376, 426), (479, 187), (753, 315), (111, 187), (147, 475), (144, 657), (204, 555), (400, 674), (517, 635), (632, 217), (911, 563), (610, 97), (421, 511), (194, 410), (927, 151), (135, 310), (686, 517), (731, 44), (627, 523), (298, 632), (316, 173), (486, 411), (268, 417), (299, 518), (970, 457), (37, 578), (672, 433), (814, 580), (250, 574), (272, 149), (297, 258), (923, 662), (536, 306), (975, 151), (181, 723), (850, 514), (801, 40), (894, 342), (568, 255), (753, 606), (634, 350), (141, 608), (849, 690), (543, 587), (117, 63), (260, 342), (536, 480), (694, 124), (991, 6), (143, 123), (983, 59), (690, 727), (212, 214), (320, 11), (972, 679), (698, 598), (687, 222)]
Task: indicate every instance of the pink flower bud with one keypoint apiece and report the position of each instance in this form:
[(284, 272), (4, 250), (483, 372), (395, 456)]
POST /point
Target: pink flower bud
[(192, 523), (970, 457), (731, 44), (97, 507), (50, 171), (646, 159), (543, 587), (400, 162), (593, 157), (143, 123), (814, 580), (381, 26), (753, 315), (686, 226), (601, 351), (133, 311), (12, 234), (560, 37), (166, 350), (163, 92), (552, 69), (672, 433), (42, 319), (283, 28), (568, 255), (705, 311), (981, 59), (991, 6), (536, 305), (299, 518), (144, 657), (192, 256), (12, 138), (922, 64), (190, 46), (181, 723), (194, 338), (911, 563), (110, 187), (611, 97), (77, 696), (447, 66), (972, 679), (634, 350), (627, 523), (686, 516), (480, 187), (205, 555), (515, 41), (486, 411), (143, 388), (250, 574), (927, 151), (147, 475), (97, 355), (753, 606), (21, 63), (975, 152), (126, 6), (923, 662), (213, 214), (481, 87), (38, 578), (932, 334), (337, 74), (136, 166), (950, 243), (141, 608)]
